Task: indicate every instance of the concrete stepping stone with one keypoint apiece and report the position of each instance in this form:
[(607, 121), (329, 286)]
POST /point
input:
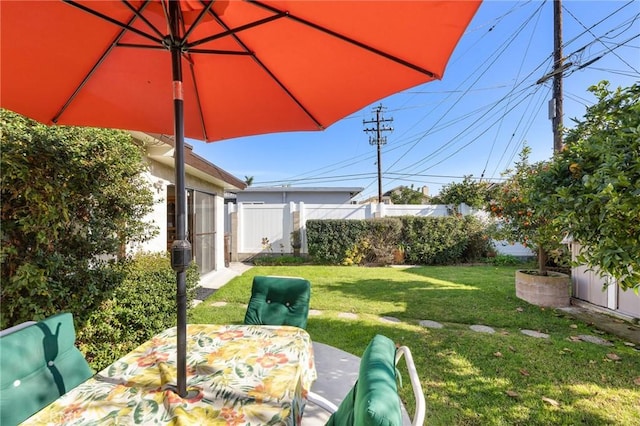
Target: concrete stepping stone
[(219, 304), (482, 329), (347, 315), (533, 333), (430, 324), (389, 319), (315, 312), (594, 339)]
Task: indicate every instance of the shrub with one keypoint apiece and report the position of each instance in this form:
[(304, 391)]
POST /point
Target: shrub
[(329, 240), (505, 260), (354, 242), (141, 304), (479, 242), (424, 240), (70, 195), (384, 236), (357, 253), (434, 240), (34, 293)]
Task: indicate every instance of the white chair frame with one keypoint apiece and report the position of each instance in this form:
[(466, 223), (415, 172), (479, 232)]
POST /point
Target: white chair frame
[(418, 418), (15, 328)]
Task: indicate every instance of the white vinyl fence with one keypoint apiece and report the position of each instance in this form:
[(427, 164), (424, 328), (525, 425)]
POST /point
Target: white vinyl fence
[(266, 228)]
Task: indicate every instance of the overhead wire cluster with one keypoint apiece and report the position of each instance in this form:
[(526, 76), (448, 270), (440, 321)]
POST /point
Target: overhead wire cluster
[(489, 121)]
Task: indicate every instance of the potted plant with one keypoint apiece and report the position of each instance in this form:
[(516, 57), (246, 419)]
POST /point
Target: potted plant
[(517, 204)]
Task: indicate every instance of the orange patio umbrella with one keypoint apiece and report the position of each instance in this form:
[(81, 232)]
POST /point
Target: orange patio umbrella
[(214, 70)]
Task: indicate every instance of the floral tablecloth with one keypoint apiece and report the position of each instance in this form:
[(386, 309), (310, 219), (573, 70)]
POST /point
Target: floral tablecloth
[(236, 374)]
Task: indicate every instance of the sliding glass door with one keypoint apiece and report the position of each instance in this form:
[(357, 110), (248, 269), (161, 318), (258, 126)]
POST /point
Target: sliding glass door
[(200, 226), (204, 230)]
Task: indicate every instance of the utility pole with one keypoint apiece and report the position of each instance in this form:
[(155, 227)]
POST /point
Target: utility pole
[(557, 77), (376, 138), (555, 104)]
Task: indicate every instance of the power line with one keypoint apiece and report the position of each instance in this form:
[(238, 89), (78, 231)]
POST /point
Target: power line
[(525, 120), (599, 40), (506, 107), (479, 76)]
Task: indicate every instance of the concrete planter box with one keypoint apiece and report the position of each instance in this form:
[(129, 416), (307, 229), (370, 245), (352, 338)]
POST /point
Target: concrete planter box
[(553, 290)]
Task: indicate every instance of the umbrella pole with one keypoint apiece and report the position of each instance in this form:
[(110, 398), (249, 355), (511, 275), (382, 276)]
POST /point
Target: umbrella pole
[(181, 248)]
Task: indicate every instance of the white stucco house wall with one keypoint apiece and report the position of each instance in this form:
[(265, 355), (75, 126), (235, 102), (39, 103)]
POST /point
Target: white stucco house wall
[(206, 184)]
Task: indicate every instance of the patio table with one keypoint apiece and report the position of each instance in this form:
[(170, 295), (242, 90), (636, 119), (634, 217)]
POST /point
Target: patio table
[(236, 374)]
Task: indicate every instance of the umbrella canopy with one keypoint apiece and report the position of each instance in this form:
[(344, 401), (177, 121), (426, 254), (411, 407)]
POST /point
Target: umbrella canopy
[(217, 70), (249, 67)]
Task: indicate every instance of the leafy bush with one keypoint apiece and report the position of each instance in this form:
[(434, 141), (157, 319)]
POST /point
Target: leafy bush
[(34, 292), (141, 304), (505, 260), (384, 236), (434, 240), (479, 242), (329, 240), (353, 242), (357, 253), (473, 194), (70, 195), (425, 240)]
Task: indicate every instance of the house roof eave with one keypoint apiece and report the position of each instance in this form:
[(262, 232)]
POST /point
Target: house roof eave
[(161, 148)]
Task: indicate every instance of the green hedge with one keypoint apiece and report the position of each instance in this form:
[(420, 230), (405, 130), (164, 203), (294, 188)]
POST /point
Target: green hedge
[(433, 240), (425, 240), (328, 240), (139, 306)]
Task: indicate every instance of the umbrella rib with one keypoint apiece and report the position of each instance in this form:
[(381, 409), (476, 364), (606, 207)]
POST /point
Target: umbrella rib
[(220, 52), (195, 87), (198, 20), (206, 51), (124, 26), (100, 60), (143, 18), (349, 40), (233, 34)]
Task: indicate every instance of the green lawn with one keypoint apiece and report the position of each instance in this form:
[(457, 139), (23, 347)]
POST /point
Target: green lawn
[(469, 378)]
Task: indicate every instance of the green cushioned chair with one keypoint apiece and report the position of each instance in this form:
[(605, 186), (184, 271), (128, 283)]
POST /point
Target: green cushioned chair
[(374, 399), (38, 364), (279, 301)]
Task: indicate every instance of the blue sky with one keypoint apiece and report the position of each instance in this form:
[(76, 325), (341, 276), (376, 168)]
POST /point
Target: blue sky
[(472, 122)]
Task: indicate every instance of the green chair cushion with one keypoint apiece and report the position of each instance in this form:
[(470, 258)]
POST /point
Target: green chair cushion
[(38, 364), (374, 399), (279, 301)]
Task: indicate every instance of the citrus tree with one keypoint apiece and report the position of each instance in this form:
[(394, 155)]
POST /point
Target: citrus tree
[(516, 203), (596, 181)]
